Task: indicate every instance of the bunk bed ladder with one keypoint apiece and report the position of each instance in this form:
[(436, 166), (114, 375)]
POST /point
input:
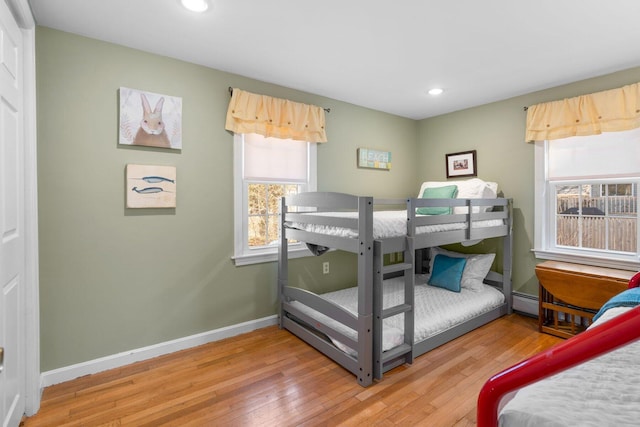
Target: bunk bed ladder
[(385, 360)]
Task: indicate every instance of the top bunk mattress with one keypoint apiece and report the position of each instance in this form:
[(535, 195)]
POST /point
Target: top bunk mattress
[(387, 224), (602, 391), (436, 309)]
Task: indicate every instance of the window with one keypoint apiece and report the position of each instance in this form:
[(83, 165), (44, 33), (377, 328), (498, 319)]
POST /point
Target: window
[(586, 199), (588, 216), (265, 169)]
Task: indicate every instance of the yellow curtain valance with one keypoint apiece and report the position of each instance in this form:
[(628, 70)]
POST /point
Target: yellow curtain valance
[(275, 117), (607, 111)]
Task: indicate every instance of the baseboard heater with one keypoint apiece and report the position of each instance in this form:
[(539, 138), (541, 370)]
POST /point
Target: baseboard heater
[(525, 304)]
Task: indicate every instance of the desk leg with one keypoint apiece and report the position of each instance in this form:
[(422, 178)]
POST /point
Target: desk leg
[(541, 311)]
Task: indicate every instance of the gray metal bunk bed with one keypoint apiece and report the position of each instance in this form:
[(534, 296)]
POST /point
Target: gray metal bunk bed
[(350, 223)]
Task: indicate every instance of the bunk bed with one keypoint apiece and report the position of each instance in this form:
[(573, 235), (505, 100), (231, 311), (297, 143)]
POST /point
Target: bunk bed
[(590, 379), (356, 333)]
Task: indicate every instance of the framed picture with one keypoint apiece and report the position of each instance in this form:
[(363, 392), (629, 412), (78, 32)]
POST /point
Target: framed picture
[(461, 164), (374, 159), (149, 186), (150, 119)]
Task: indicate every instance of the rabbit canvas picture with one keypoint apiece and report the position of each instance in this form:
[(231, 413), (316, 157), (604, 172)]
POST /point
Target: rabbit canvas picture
[(150, 119)]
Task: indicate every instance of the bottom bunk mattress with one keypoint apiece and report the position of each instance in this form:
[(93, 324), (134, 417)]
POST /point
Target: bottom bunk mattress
[(436, 310), (604, 391)]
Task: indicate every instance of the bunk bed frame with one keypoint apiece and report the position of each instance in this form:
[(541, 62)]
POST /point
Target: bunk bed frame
[(370, 361)]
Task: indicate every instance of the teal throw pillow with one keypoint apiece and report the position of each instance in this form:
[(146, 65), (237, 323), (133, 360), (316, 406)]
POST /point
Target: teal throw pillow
[(447, 272), (446, 192)]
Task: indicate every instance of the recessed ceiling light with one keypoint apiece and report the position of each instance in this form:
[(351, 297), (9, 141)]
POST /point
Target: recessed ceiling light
[(435, 91), (196, 5)]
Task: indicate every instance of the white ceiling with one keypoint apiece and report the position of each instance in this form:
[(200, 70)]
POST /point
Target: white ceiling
[(383, 55)]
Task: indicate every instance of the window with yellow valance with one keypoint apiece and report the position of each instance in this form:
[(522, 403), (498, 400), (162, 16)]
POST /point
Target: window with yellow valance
[(607, 111), (275, 117)]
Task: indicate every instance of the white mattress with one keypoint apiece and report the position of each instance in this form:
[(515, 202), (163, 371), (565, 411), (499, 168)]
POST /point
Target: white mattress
[(604, 391), (388, 224), (436, 309)]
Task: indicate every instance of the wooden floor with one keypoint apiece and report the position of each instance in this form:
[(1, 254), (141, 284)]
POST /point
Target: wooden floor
[(270, 378)]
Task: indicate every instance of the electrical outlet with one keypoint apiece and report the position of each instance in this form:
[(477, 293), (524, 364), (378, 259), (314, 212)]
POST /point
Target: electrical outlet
[(325, 268)]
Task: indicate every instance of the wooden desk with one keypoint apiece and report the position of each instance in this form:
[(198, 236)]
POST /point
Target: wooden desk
[(571, 294)]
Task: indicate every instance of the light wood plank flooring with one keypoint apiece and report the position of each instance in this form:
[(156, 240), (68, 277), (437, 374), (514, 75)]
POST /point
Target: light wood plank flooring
[(270, 378)]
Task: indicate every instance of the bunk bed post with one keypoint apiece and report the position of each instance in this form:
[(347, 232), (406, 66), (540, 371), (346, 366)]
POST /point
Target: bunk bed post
[(283, 259), (507, 261), (411, 216), (419, 254), (365, 290), (469, 220), (409, 297), (410, 280), (378, 261)]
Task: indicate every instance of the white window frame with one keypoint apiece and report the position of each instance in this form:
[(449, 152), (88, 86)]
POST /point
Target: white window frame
[(243, 254), (545, 229)]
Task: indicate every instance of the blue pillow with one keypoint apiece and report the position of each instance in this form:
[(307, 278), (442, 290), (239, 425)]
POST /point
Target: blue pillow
[(447, 272), (628, 298), (446, 192)]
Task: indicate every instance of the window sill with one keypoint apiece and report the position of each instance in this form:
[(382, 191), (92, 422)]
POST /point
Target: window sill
[(269, 255), (620, 264)]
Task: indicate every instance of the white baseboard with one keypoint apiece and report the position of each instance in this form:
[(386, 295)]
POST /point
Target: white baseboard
[(525, 304), (521, 302), (68, 373)]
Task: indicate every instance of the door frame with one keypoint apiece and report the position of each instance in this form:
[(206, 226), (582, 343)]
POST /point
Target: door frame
[(31, 310)]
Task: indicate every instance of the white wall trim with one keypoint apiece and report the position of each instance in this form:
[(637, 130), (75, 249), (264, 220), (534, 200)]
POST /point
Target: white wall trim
[(525, 304), (32, 263), (21, 11), (68, 373), (522, 303)]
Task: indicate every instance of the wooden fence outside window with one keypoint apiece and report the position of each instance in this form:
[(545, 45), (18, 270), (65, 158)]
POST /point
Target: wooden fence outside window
[(621, 222)]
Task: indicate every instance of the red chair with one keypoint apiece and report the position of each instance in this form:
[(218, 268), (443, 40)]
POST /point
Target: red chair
[(635, 281)]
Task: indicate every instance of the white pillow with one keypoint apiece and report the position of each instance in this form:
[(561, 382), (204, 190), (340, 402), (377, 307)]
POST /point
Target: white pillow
[(473, 188), (475, 270)]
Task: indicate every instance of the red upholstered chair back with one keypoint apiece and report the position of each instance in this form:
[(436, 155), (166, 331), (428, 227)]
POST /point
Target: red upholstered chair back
[(635, 281)]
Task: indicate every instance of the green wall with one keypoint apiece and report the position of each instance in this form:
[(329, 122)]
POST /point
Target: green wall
[(497, 131), (115, 279)]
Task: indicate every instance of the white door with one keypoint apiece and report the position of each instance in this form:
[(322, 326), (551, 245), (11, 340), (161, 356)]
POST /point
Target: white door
[(12, 236)]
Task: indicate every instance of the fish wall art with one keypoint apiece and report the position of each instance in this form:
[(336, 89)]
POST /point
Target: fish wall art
[(149, 186)]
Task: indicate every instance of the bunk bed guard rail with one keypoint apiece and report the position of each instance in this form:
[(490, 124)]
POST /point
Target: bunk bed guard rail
[(615, 333)]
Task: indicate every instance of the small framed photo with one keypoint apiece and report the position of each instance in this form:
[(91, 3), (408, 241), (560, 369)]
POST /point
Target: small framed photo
[(374, 159), (461, 164)]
